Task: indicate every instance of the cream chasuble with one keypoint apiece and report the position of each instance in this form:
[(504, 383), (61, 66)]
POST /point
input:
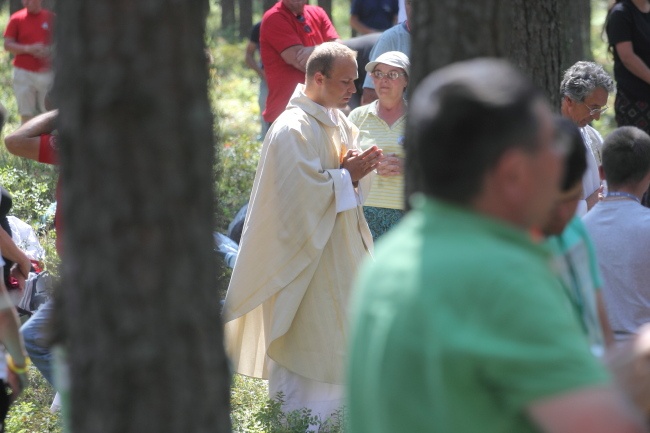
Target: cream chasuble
[(289, 291)]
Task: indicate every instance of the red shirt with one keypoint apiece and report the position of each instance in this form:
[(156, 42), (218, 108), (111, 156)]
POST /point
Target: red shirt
[(280, 30), (47, 154), (29, 29)]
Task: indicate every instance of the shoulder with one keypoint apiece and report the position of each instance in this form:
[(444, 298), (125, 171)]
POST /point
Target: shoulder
[(273, 14), (593, 134), (18, 16), (316, 13), (359, 113), (621, 10)]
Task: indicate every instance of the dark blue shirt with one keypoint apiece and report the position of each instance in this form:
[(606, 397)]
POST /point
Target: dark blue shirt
[(377, 14)]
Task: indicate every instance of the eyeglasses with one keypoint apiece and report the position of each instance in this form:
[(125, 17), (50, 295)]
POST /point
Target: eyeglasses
[(391, 75), (301, 19), (595, 111)]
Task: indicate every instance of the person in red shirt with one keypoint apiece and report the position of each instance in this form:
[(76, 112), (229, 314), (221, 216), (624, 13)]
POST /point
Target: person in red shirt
[(290, 31), (28, 37)]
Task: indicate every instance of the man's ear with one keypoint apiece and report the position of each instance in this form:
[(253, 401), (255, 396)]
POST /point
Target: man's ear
[(319, 78), (601, 172), (511, 173)]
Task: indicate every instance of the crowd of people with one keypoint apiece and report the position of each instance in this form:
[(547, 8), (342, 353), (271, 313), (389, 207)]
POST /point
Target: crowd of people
[(511, 297)]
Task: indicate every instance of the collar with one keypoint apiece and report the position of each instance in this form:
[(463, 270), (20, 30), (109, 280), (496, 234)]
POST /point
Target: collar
[(328, 117)]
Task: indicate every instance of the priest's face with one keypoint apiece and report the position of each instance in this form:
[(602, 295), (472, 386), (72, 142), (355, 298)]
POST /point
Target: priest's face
[(337, 88)]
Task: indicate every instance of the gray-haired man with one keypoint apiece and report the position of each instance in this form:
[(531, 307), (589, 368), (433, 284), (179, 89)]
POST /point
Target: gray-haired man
[(584, 89)]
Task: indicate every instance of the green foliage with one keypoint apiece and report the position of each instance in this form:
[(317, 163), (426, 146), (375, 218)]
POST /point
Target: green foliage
[(272, 419), (31, 413), (239, 159), (31, 188), (253, 412)]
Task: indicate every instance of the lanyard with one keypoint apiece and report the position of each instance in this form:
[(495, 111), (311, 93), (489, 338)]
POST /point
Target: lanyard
[(622, 194)]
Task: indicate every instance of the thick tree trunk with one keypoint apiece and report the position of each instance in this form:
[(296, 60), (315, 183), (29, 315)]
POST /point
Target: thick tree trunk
[(268, 3), (245, 18), (15, 5), (140, 311), (576, 32), (527, 33), (228, 19), (327, 5), (532, 35)]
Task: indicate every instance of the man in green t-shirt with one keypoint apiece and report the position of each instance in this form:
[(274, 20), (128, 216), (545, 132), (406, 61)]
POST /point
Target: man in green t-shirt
[(459, 324)]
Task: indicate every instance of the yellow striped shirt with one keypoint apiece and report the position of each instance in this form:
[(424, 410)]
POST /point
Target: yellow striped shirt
[(386, 191)]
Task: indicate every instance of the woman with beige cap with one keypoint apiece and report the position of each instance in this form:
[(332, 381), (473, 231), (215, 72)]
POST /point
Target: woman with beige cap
[(381, 123)]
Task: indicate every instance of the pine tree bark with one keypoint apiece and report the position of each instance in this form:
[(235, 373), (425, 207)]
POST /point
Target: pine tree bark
[(139, 310), (327, 5), (538, 37), (228, 19), (267, 4), (245, 18)]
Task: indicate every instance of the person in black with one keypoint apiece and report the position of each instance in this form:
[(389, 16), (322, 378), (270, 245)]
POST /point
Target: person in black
[(628, 32)]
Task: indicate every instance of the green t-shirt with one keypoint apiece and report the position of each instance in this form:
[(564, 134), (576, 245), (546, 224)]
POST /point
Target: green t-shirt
[(459, 325)]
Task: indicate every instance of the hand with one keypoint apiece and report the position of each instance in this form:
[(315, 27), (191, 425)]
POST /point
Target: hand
[(20, 271), (360, 164), (39, 50), (17, 383), (390, 165)]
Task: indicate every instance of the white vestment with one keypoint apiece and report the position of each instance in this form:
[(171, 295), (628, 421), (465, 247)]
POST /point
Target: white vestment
[(302, 242)]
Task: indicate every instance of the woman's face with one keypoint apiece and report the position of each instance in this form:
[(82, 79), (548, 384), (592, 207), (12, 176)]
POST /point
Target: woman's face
[(386, 88)]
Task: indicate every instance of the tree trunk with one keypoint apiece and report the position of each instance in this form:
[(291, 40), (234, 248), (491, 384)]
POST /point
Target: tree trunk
[(576, 32), (15, 5), (140, 314), (532, 35), (268, 4), (327, 5), (245, 18), (228, 19)]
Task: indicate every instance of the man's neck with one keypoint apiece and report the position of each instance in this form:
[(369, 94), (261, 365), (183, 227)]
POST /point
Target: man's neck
[(634, 190)]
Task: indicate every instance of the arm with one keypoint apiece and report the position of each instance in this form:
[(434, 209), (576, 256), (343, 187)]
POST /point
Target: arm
[(25, 141), (593, 410), (36, 50), (631, 61), (608, 335), (360, 27), (593, 199), (251, 48), (297, 56), (13, 342), (10, 250)]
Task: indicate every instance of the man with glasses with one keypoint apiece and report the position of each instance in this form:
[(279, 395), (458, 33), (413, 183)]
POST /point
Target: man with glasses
[(290, 31), (584, 89)]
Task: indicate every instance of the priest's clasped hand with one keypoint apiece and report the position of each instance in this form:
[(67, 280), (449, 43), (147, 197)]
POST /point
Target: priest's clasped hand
[(360, 164)]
